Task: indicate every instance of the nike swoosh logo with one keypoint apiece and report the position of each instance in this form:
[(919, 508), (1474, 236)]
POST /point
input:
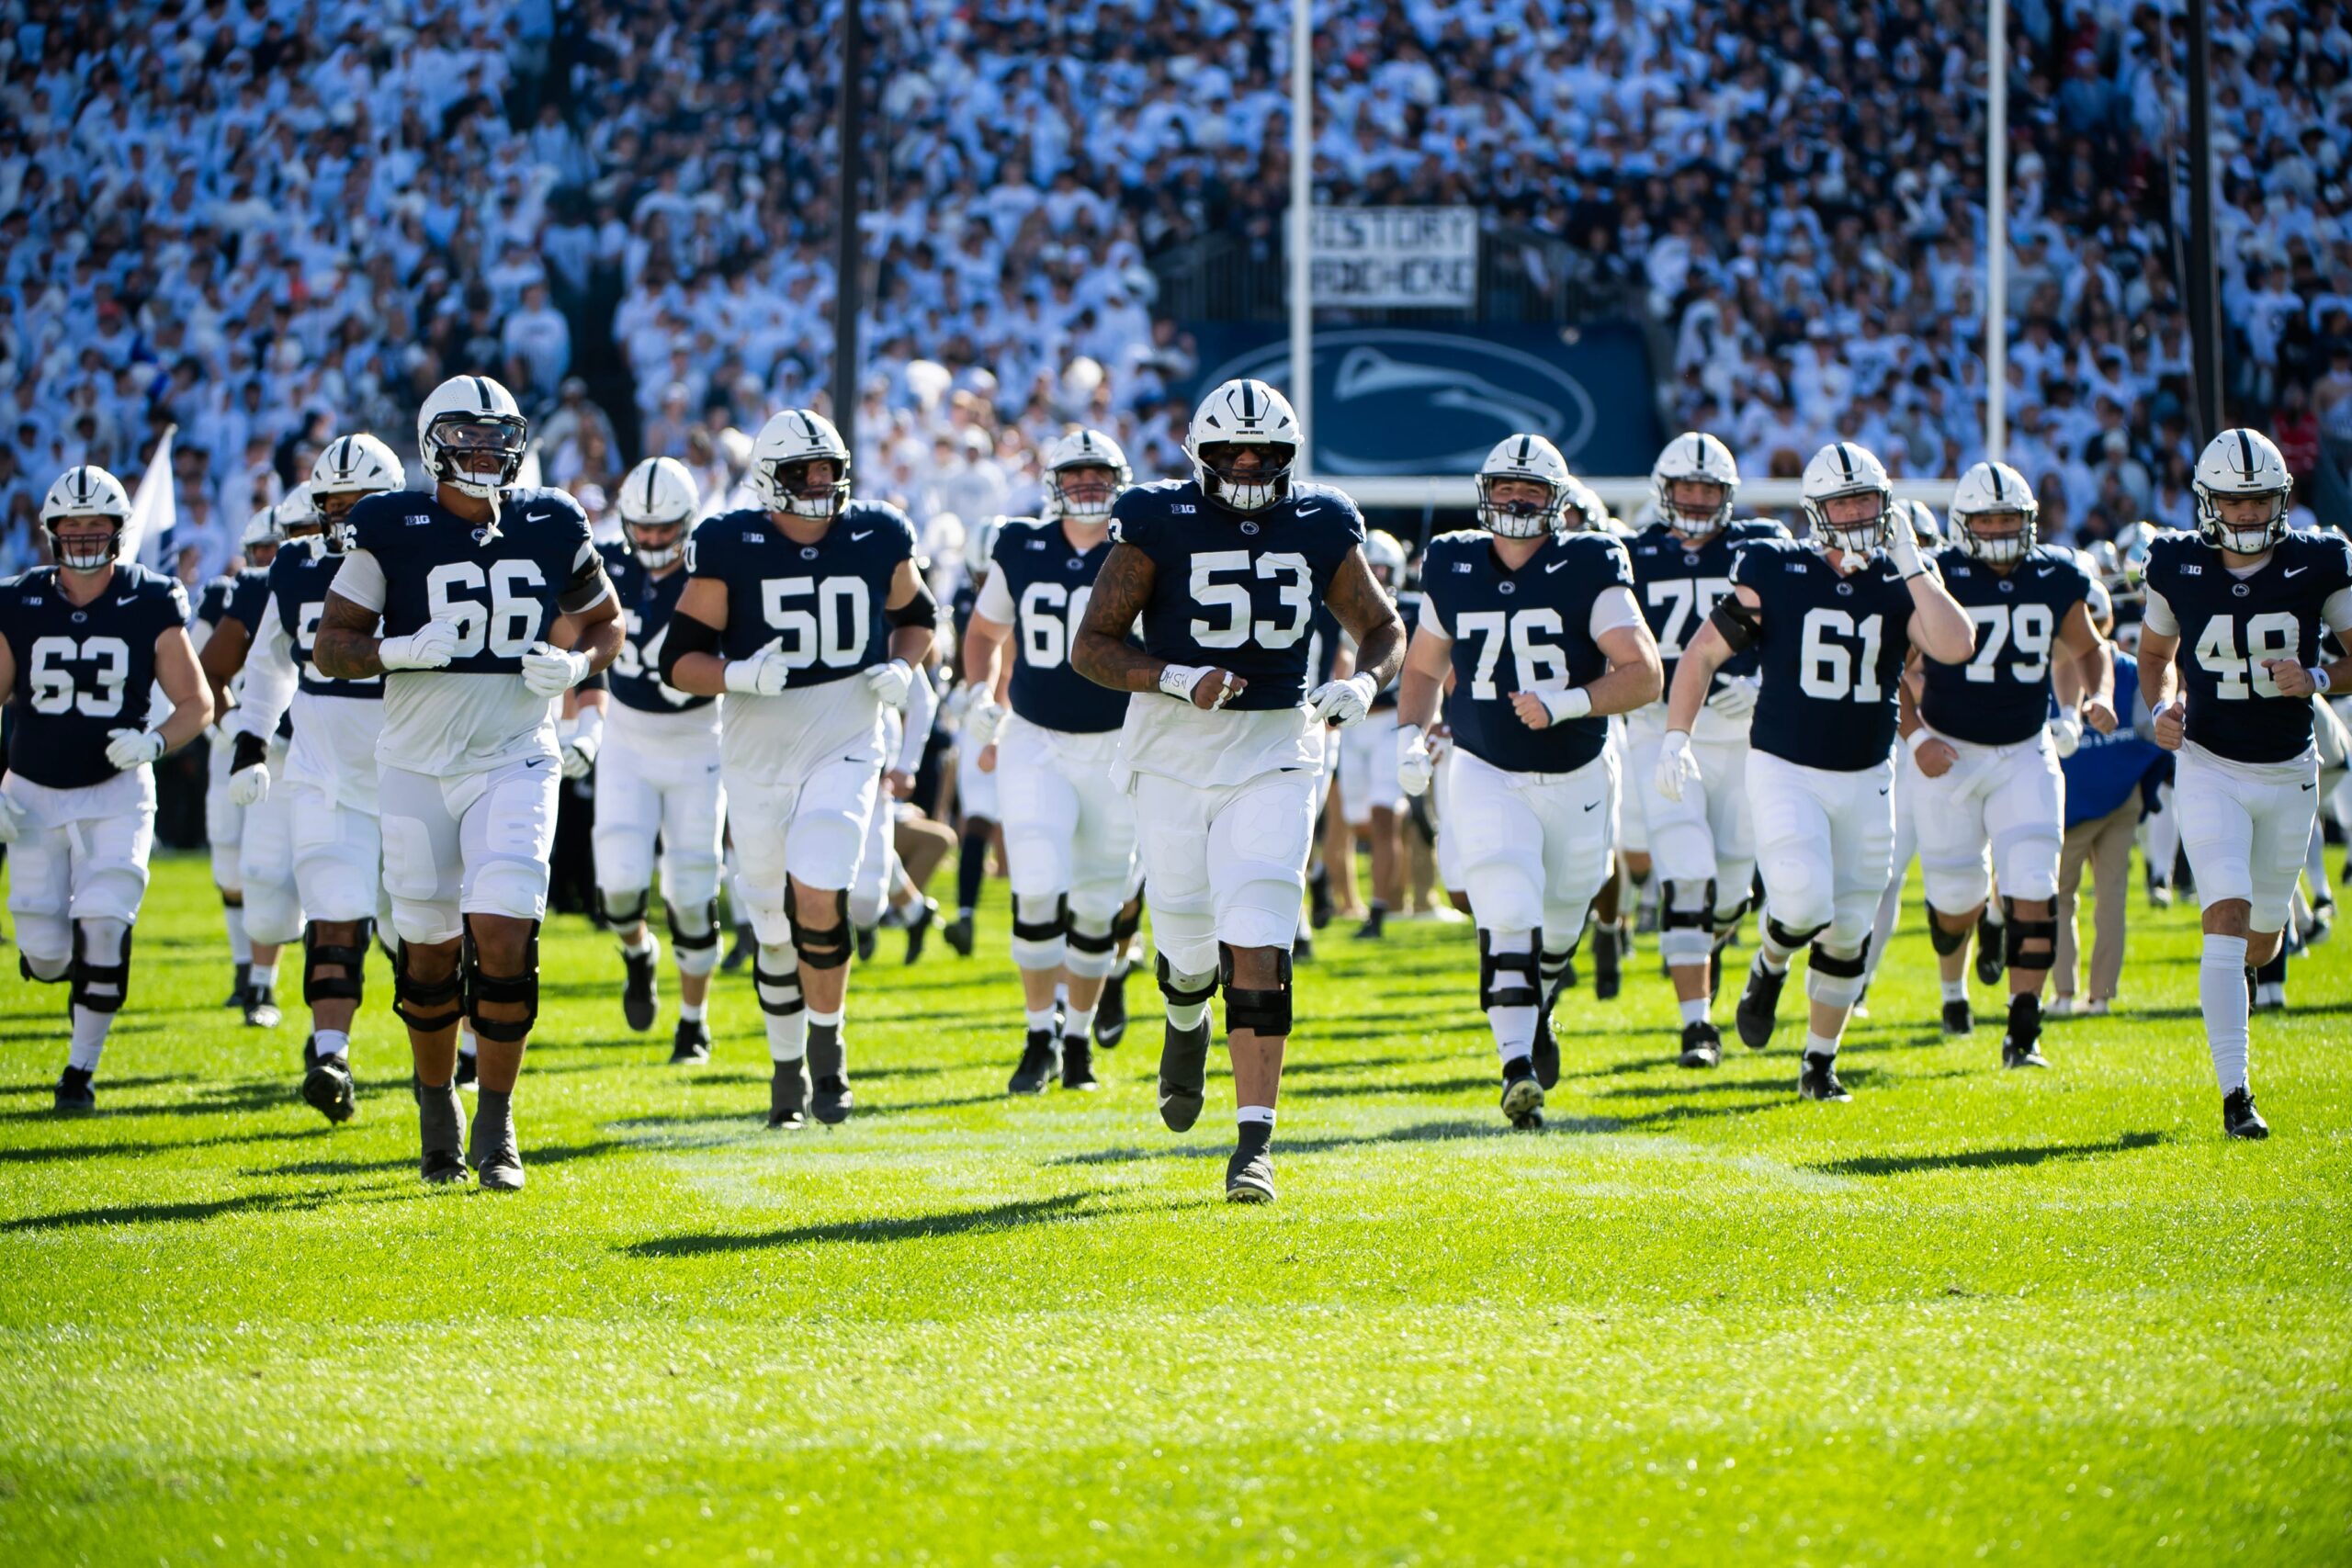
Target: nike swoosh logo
[(2293, 570), (535, 761), (1553, 567), (855, 537), (2044, 571), (1594, 806), (1882, 792), (2307, 786)]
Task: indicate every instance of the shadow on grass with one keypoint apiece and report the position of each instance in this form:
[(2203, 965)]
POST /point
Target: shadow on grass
[(1007, 1217), (220, 1099), (46, 1086), (1984, 1159), (141, 1150), (168, 1213)]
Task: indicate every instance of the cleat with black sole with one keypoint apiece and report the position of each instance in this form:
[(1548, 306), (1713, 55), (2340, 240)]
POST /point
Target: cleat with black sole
[(1078, 1064), (236, 997), (641, 992), (1371, 931), (1545, 1053), (441, 1135), (74, 1095), (866, 937), (1703, 1045), (958, 934), (1040, 1060), (2240, 1119), (919, 928), (1523, 1099), (261, 1007), (1818, 1080), (1250, 1178), (496, 1159), (1959, 1017), (691, 1044), (327, 1088), (2028, 1054), (1110, 1013), (788, 1096), (1759, 1006), (1183, 1075), (1988, 951), (830, 1101)]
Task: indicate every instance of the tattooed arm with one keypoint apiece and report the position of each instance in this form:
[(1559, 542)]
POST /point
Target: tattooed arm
[(1364, 608), (1103, 653), (344, 648)]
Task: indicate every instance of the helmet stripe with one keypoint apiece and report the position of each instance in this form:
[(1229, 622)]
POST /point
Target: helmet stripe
[(2245, 451), (1847, 458), (482, 390), (652, 472)]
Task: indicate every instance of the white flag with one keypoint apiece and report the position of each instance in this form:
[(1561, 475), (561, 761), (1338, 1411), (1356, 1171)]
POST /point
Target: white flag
[(154, 509)]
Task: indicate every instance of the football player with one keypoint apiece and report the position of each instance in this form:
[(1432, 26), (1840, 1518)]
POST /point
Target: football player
[(1831, 617), (328, 794), (1541, 636), (654, 753), (808, 614), (452, 595), (1988, 798), (1703, 843), (1222, 745), (975, 789), (2229, 661), (224, 822), (1369, 798), (1069, 832), (82, 643)]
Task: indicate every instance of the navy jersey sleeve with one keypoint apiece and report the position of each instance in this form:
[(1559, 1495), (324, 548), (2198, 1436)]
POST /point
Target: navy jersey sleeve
[(1140, 517), (213, 602), (585, 582), (248, 595)]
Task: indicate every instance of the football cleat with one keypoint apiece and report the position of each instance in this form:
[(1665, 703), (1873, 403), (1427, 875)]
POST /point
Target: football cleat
[(2240, 1119), (309, 1052), (1545, 1049), (2097, 1007), (497, 1160), (1760, 1005), (1370, 928), (261, 1007), (2059, 1006), (1959, 1017), (1302, 947), (441, 1135), (1702, 1045), (327, 1088), (958, 933), (640, 993), (74, 1092), (2026, 1054), (2323, 922), (1040, 1060), (919, 927), (2159, 894), (1988, 951), (1250, 1178), (691, 1044), (866, 937), (1111, 1012), (1522, 1096), (1605, 980), (788, 1096), (1183, 1075), (830, 1101), (236, 997), (1078, 1064), (1819, 1080), (2270, 995)]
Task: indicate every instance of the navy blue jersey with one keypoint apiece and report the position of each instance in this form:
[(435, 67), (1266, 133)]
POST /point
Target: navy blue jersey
[(1677, 583), (826, 602), (961, 606), (1525, 630), (503, 591), (1049, 582), (645, 602), (1239, 590), (1408, 610), (82, 671), (299, 578), (2229, 625), (2002, 694), (1831, 651), (213, 602), (248, 592)]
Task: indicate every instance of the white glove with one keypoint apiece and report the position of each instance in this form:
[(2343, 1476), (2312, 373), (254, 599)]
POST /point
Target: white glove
[(579, 755), (982, 719), (250, 786), (1735, 698), (890, 683), (129, 748), (1342, 703), (1903, 549), (2066, 732), (429, 647), (763, 675), (1677, 767), (13, 818), (550, 671), (1415, 766)]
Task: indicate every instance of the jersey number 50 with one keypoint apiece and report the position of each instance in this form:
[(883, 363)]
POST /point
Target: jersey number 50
[(1288, 569), (834, 633)]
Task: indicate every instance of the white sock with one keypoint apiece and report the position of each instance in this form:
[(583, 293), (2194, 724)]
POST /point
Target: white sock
[(829, 1019), (1078, 1024), (788, 1035), (241, 947), (1262, 1114), (643, 944), (90, 1028), (1695, 1010), (1956, 991), (1187, 1015), (331, 1043), (691, 1013), (1061, 993), (1039, 1018), (264, 977), (1820, 1046), (2220, 990), (1770, 965)]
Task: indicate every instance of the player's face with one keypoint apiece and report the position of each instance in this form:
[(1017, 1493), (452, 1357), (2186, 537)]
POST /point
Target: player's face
[(1853, 511), (1532, 493), (1995, 527), (1090, 486), (479, 448), (260, 554), (1698, 500), (335, 507), (655, 538), (1236, 461), (83, 537), (2247, 511)]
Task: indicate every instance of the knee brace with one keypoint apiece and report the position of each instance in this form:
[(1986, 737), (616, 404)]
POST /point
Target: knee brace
[(1789, 940), (1837, 979), (1265, 1012), (100, 981), (1127, 921), (780, 991), (825, 947), (1945, 942), (694, 937), (2017, 933), (618, 912), (1686, 921), (317, 955), (1039, 931), (1526, 991), (1178, 993), (425, 1006), (1093, 946), (1552, 962), (523, 988), (26, 967)]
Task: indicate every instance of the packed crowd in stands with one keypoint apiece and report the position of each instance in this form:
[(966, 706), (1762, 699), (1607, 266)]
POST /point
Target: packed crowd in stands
[(264, 221)]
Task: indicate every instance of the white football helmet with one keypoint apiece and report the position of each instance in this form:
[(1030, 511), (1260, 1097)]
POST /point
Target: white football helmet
[(85, 490), (779, 477), (1085, 449), (2239, 463), (1988, 491), (1587, 512), (980, 545), (263, 529), (1386, 552), (1922, 518), (299, 513), (349, 468), (1244, 412), (1694, 455), (659, 494), (1530, 457), (468, 416), (1841, 470)]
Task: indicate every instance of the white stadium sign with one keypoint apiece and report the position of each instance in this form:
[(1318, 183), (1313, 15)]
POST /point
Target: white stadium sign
[(1421, 257)]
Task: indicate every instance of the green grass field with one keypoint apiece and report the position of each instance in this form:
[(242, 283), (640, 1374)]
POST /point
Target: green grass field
[(2049, 1318)]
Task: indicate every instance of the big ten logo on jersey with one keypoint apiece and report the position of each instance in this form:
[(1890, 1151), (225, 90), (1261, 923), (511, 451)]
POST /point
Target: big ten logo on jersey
[(826, 621), (1248, 597), (1535, 665), (2240, 677), (639, 657), (499, 608), (2022, 632), (306, 634), (1688, 602), (85, 675), (1050, 616), (1829, 669)]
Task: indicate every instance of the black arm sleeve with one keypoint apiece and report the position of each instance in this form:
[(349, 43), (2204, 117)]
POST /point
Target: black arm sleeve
[(1735, 622), (686, 635), (249, 750), (922, 610)]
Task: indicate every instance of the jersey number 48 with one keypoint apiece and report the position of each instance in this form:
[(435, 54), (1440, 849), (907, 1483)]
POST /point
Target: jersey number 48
[(2238, 678)]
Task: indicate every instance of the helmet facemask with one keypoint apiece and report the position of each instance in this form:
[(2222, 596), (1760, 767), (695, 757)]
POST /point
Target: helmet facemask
[(2245, 539), (454, 442), (820, 500), (1704, 524), (655, 556), (1521, 517), (92, 556), (2006, 547), (1084, 492), (1859, 537), (335, 509), (1216, 465)]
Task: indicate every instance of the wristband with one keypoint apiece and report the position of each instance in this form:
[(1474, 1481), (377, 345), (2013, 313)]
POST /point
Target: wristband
[(1919, 738), (1178, 679), (2320, 683), (1563, 705)]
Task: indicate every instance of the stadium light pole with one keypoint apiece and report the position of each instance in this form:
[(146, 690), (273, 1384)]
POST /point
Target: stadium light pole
[(1997, 230), (1302, 228), (850, 123)]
